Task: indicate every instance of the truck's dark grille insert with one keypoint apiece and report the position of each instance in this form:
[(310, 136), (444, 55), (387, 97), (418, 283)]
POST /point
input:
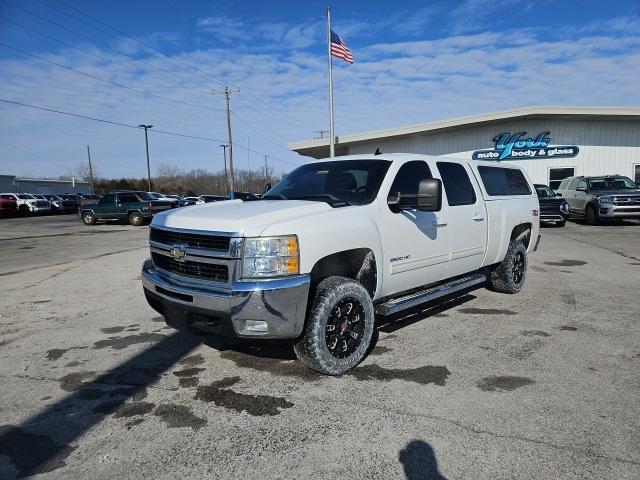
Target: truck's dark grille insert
[(206, 271), (189, 239)]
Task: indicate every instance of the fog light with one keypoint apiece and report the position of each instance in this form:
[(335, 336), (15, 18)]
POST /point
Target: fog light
[(259, 326)]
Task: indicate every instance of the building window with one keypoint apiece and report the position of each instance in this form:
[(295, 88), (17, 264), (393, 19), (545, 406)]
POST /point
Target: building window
[(556, 175), (636, 172)]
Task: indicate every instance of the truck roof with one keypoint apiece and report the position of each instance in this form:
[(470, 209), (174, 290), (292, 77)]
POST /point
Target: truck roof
[(397, 157)]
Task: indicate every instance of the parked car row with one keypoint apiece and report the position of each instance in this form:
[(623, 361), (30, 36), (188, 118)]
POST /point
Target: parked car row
[(35, 203), (137, 207), (611, 197)]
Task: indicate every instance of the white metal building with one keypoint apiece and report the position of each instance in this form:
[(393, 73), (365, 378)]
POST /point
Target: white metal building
[(11, 183), (551, 143)]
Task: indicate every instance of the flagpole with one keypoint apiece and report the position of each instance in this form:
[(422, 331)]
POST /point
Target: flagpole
[(331, 131)]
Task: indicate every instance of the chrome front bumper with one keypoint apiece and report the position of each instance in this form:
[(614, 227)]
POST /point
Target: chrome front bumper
[(274, 308), (619, 211)]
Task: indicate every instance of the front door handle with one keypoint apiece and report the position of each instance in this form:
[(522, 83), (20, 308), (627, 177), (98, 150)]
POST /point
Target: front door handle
[(439, 222), (478, 217)]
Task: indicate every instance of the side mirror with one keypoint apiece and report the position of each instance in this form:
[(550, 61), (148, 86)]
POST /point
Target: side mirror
[(558, 194), (428, 198), (430, 195), (267, 187), (581, 189)]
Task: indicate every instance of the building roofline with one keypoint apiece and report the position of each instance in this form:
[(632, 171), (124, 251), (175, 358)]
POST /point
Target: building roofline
[(21, 179), (617, 113)]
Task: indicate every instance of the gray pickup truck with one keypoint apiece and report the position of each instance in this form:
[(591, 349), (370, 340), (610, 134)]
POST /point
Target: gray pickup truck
[(611, 197)]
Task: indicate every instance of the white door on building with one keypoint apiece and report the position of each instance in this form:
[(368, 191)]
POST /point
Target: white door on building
[(466, 217), (417, 243)]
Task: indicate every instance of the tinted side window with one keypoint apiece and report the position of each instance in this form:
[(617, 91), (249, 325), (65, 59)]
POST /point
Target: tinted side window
[(457, 184), (504, 181), (495, 181), (407, 180), (127, 198), (108, 199), (517, 183)]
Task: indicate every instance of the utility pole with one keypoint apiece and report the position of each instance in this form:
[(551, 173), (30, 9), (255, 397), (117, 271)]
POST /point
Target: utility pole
[(266, 170), (227, 91), (226, 176), (90, 169), (146, 141)]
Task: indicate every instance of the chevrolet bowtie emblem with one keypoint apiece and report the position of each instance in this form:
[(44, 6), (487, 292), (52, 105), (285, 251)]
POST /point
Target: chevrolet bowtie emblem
[(177, 253)]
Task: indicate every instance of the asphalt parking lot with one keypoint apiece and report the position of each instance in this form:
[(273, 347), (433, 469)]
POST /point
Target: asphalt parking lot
[(543, 384)]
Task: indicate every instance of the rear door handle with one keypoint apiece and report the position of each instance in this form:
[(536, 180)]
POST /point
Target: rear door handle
[(439, 222), (478, 217)]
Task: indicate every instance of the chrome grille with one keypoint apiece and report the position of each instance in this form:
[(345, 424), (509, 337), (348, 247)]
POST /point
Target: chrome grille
[(195, 240), (630, 200), (205, 271)]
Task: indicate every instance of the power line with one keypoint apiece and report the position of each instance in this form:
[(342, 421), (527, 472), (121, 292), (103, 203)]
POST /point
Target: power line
[(164, 55), (109, 82), (258, 132), (70, 45), (103, 45), (169, 57), (120, 124)]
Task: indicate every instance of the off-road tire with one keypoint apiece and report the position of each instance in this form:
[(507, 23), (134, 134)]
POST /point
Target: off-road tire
[(502, 277), (311, 348), (591, 214), (136, 219), (88, 218)]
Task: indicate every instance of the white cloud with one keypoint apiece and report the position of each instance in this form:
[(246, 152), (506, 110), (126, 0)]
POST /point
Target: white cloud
[(391, 84)]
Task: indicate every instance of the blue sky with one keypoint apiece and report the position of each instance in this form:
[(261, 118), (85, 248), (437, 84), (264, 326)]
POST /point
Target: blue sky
[(415, 62)]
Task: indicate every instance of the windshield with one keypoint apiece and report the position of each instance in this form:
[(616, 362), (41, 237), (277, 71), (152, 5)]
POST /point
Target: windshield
[(545, 192), (91, 197), (145, 196), (25, 196), (354, 182), (611, 183)]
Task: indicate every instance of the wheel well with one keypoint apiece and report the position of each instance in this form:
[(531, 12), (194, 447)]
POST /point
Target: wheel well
[(358, 264), (522, 232), (129, 212)]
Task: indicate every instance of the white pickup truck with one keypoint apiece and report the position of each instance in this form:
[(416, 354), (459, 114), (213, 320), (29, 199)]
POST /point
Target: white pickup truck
[(337, 242)]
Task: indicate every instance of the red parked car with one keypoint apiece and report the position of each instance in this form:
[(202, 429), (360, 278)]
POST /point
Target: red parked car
[(8, 205)]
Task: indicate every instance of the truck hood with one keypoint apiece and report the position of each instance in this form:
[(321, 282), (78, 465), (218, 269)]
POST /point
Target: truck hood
[(246, 218)]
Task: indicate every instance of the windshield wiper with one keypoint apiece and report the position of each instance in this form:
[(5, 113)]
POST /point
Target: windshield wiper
[(326, 196)]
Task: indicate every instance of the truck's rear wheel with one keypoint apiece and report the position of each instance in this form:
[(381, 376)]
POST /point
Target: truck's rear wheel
[(509, 276), (339, 327), (136, 219)]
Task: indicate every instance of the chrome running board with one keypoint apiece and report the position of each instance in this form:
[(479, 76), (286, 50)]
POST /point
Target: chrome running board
[(398, 304)]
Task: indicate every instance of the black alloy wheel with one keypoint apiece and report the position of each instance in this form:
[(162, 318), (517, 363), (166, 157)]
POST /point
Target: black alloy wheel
[(345, 327)]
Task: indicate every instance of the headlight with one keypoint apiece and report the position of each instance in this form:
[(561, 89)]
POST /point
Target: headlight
[(270, 257), (564, 207), (605, 199)]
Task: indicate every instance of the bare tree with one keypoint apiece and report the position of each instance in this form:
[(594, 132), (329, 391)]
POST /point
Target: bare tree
[(84, 172)]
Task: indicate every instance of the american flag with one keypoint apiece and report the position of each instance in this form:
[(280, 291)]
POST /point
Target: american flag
[(339, 49)]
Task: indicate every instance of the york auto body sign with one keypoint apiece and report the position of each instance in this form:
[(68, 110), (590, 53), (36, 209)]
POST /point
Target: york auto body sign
[(516, 146)]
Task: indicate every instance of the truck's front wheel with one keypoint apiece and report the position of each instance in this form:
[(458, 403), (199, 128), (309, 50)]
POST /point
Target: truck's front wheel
[(339, 328), (509, 276)]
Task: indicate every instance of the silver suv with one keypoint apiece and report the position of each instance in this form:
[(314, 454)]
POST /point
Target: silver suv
[(595, 198)]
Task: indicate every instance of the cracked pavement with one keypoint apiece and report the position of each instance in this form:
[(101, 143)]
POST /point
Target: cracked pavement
[(543, 384)]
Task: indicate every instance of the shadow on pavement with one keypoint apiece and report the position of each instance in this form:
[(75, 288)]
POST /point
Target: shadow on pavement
[(419, 461), (41, 443)]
